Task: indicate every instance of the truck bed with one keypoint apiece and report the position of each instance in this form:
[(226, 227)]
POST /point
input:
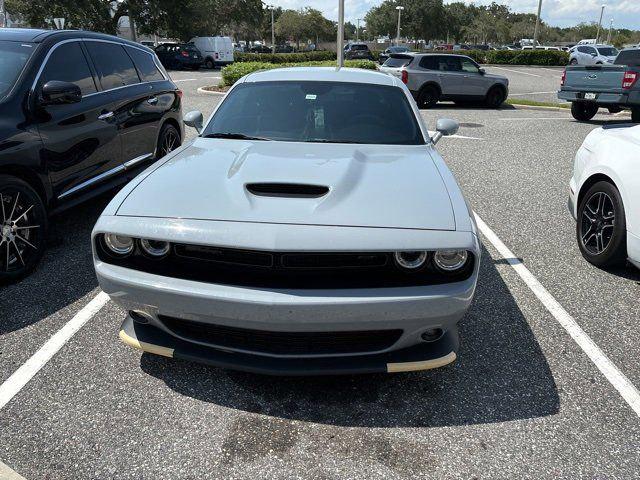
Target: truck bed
[(601, 84)]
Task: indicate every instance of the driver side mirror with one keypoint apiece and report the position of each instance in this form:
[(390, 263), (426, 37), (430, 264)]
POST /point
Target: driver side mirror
[(194, 119), (482, 71), (444, 128), (56, 92)]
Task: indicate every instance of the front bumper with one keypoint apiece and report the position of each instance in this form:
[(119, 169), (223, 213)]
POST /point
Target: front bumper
[(419, 357)]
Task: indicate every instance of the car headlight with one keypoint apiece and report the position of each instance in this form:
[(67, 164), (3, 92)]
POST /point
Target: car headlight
[(118, 244), (450, 260), (155, 248), (411, 260)]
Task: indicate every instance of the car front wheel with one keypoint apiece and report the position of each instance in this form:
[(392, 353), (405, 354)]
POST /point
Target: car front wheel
[(583, 111), (23, 229), (601, 227), (168, 140)]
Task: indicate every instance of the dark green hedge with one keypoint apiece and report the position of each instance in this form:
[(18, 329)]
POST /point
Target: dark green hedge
[(318, 56), (516, 57), (234, 72)]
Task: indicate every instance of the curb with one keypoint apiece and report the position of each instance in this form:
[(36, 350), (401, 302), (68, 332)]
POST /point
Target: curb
[(537, 107), (209, 92)]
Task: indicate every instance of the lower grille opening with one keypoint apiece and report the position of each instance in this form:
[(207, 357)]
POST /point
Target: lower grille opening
[(283, 343)]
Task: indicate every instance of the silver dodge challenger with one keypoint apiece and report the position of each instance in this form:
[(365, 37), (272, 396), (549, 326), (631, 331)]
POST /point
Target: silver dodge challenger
[(310, 228)]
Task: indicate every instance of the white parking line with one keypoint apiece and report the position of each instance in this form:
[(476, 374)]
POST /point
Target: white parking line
[(620, 382), (7, 474), (28, 370), (517, 71), (535, 118)]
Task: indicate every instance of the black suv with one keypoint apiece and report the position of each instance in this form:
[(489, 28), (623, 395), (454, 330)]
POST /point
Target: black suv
[(357, 51), (80, 113)]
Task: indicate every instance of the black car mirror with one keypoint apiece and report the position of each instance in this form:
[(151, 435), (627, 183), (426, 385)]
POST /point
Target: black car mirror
[(482, 71), (56, 92)]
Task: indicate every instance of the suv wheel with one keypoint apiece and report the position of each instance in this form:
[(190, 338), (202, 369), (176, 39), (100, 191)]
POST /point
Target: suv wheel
[(209, 64), (573, 62), (428, 97), (635, 115), (583, 111), (601, 226), (168, 140), (495, 97), (23, 229)]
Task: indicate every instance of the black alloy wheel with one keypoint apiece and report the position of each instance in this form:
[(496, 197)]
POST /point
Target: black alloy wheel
[(495, 97), (601, 227), (583, 111), (428, 97), (23, 229), (168, 140)]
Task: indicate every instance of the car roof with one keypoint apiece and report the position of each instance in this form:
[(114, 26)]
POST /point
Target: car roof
[(24, 34), (36, 35), (323, 74)]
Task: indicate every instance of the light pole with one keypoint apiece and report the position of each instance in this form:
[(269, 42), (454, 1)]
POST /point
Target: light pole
[(600, 24), (399, 8), (3, 15), (340, 42), (609, 35), (358, 29), (535, 32), (273, 30)]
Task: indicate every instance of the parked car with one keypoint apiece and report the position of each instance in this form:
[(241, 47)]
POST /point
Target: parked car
[(178, 56), (320, 233), (81, 113), (260, 49), (284, 49), (216, 51), (615, 87), (432, 77), (605, 196), (592, 55), (357, 51), (384, 56)]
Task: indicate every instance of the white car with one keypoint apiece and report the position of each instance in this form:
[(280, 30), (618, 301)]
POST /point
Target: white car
[(592, 55), (605, 196), (310, 228)]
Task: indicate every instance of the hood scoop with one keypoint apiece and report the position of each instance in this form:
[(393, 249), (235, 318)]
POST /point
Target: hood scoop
[(290, 190)]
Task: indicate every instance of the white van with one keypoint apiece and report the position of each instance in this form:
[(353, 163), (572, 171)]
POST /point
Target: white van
[(216, 51)]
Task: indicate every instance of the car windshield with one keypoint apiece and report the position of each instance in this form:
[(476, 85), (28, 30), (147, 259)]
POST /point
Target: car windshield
[(398, 49), (630, 58), (359, 47), (13, 57), (325, 112), (607, 51), (397, 62)]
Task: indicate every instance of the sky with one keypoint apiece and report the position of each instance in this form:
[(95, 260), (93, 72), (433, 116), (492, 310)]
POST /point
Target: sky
[(562, 13)]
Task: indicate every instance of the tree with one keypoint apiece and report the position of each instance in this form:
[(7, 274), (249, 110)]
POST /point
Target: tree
[(304, 24)]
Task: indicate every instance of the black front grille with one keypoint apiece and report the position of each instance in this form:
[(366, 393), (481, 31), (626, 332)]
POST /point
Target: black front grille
[(284, 343), (283, 270)]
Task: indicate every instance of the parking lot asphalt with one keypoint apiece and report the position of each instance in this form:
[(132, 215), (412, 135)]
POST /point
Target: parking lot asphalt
[(522, 401), (531, 83)]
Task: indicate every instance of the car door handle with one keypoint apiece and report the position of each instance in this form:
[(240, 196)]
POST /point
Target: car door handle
[(152, 101), (105, 115)]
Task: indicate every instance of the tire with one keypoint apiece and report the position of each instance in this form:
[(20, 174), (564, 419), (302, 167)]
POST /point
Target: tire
[(573, 62), (601, 229), (583, 111), (635, 115), (428, 97), (23, 229), (168, 140), (209, 63), (495, 97), (614, 109)]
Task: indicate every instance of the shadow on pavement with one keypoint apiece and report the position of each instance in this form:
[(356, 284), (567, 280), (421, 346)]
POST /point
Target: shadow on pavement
[(501, 375), (65, 274)]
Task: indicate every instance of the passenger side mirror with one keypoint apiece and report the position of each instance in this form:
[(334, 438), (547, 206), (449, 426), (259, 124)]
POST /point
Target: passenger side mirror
[(444, 128), (482, 71), (56, 92), (194, 119)]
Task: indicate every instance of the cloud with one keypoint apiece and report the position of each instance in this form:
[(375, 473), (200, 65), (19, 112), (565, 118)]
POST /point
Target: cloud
[(625, 13)]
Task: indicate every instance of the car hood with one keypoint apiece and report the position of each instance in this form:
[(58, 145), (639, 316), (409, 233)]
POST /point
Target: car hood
[(368, 185)]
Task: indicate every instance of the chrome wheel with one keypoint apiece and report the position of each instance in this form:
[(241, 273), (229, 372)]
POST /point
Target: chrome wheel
[(598, 223), (19, 231)]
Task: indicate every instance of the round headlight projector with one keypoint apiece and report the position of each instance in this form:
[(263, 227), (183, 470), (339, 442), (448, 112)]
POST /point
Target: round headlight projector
[(155, 248), (450, 260), (118, 244), (411, 260)]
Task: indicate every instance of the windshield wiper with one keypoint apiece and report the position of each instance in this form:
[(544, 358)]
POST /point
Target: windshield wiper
[(235, 136), (324, 140)]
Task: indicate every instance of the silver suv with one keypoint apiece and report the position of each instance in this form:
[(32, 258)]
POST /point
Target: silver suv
[(432, 77)]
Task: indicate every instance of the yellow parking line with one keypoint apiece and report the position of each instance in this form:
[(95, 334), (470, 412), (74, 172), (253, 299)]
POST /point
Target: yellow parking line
[(425, 365), (145, 347)]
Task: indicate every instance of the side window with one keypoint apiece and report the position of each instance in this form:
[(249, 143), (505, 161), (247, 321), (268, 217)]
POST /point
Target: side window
[(582, 49), (161, 49), (469, 66), (449, 64), (145, 65), (114, 66), (429, 63), (67, 63)]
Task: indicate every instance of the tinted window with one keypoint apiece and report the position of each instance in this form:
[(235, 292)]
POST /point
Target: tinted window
[(114, 66), (13, 57), (628, 57), (607, 51), (449, 64), (328, 112), (584, 50), (468, 65), (397, 62), (67, 63), (359, 47), (430, 63), (145, 64)]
